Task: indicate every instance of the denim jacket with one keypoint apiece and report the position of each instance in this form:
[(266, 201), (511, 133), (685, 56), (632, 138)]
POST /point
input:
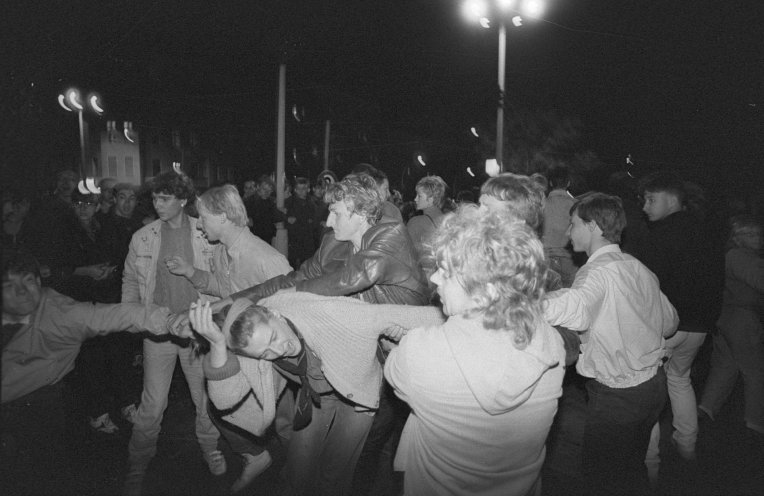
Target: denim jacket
[(139, 279)]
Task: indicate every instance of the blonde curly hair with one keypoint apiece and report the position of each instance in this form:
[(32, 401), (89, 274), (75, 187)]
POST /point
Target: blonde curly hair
[(499, 261)]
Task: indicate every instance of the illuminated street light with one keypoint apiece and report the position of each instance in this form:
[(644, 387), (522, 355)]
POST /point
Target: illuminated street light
[(478, 10), (474, 132), (71, 101), (421, 161)]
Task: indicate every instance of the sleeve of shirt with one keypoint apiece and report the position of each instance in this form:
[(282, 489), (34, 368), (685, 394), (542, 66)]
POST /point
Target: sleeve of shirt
[(576, 307), (100, 318), (397, 370), (130, 291), (670, 317), (206, 283)]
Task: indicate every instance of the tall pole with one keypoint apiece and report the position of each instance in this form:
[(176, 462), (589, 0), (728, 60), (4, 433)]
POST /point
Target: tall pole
[(500, 108), (82, 144), (327, 135), (280, 242)]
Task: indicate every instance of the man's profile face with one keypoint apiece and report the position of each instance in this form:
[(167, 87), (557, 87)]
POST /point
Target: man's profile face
[(345, 223), (658, 205), (66, 182), (125, 203), (21, 294), (580, 233), (384, 190)]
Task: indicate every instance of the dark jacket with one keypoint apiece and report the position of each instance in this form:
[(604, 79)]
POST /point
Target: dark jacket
[(384, 270), (688, 269)]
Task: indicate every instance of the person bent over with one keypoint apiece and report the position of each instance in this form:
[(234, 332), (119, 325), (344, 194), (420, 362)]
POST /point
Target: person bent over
[(328, 346)]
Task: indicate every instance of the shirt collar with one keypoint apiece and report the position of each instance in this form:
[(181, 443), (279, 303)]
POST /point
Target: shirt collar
[(611, 248)]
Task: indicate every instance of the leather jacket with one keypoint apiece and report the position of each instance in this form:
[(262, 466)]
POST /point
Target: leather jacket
[(384, 270)]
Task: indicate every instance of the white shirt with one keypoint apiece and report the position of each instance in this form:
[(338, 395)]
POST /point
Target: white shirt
[(617, 301)]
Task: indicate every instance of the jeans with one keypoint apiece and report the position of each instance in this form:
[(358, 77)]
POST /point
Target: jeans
[(617, 432), (681, 349), (739, 350), (158, 366), (321, 458)]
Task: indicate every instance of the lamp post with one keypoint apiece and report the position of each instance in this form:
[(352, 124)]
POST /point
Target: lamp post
[(71, 102), (480, 10)]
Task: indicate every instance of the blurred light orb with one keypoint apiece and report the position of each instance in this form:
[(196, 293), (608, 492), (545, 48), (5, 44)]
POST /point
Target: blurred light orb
[(475, 9), (62, 102), (517, 21), (421, 160), (95, 105), (474, 132)]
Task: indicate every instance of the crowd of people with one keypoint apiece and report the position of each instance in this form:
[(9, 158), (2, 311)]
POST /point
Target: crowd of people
[(441, 328)]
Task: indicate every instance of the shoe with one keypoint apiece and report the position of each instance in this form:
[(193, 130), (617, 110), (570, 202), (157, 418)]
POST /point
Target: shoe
[(103, 424), (216, 462), (128, 412), (253, 466)]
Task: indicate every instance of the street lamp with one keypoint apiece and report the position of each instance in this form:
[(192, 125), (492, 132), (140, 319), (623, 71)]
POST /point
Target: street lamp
[(71, 101), (481, 11)]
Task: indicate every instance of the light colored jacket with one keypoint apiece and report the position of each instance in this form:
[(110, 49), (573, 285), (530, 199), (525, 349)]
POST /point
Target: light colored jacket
[(139, 278)]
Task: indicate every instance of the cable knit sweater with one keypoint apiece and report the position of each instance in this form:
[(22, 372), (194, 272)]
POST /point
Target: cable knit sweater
[(341, 331)]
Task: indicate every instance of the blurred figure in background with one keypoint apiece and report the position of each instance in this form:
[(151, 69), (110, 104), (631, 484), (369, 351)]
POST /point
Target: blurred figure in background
[(739, 342)]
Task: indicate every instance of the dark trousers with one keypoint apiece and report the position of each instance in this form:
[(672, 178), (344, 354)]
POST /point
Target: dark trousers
[(616, 435), (104, 377)]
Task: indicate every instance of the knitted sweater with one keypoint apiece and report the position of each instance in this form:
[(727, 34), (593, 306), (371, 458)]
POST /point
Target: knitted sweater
[(341, 331)]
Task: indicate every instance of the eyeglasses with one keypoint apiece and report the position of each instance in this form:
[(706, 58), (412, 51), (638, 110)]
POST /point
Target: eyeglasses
[(81, 204)]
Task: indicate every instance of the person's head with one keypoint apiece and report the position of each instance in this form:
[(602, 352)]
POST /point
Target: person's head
[(518, 195), (541, 181), (125, 199), (301, 187), (170, 193), (250, 188), (66, 183), (596, 219), (354, 206), (22, 286), (258, 332), (324, 179), (558, 177), (85, 206), (663, 193), (746, 233), (107, 193), (383, 184), (16, 204), (430, 192), (265, 186), (491, 264), (219, 208)]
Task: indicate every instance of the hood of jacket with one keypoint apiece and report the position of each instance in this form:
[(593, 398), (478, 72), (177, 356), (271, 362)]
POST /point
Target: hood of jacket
[(500, 376)]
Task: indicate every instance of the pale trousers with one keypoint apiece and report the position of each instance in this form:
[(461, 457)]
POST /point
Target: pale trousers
[(158, 366), (681, 349)]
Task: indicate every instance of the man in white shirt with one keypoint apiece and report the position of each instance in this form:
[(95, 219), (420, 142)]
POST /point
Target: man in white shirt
[(617, 305)]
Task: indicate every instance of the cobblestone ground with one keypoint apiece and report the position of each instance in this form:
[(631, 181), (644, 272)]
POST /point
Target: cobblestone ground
[(730, 459)]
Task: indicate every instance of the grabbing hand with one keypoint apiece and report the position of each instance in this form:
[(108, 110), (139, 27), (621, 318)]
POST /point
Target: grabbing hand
[(201, 318), (179, 266), (395, 332), (178, 325), (274, 284)]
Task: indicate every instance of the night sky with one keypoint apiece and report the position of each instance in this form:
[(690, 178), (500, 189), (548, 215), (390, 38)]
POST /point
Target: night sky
[(676, 84)]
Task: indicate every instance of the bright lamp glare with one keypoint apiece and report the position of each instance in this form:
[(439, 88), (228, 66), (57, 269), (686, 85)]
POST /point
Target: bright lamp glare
[(469, 171), (485, 22), (492, 167), (533, 8), (127, 136), (74, 99), (474, 132), (421, 160), (475, 9), (94, 104), (517, 21), (62, 102), (506, 4)]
